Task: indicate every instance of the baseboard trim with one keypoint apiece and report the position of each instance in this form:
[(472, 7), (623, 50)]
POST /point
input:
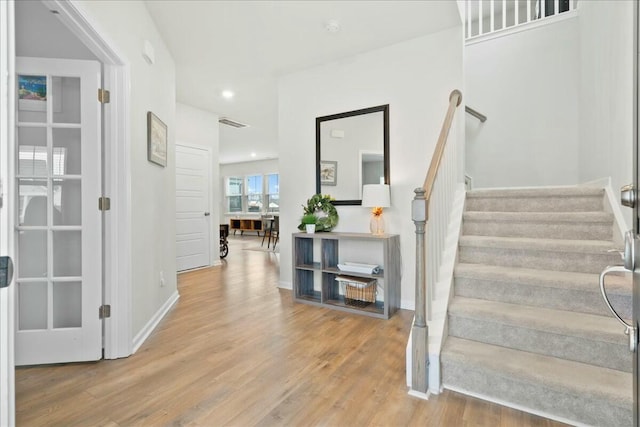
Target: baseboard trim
[(515, 406), (419, 395), (142, 336), (285, 285), (611, 205)]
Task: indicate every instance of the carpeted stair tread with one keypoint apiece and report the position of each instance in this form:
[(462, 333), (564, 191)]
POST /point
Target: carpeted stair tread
[(540, 217), (571, 390), (553, 372), (536, 192), (581, 246), (616, 284), (566, 199), (559, 322)]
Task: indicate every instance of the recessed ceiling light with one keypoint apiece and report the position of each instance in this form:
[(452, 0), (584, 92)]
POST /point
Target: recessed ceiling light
[(253, 154), (332, 26), (227, 94)]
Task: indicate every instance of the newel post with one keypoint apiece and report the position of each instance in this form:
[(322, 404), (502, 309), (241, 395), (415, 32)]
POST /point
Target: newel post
[(419, 330)]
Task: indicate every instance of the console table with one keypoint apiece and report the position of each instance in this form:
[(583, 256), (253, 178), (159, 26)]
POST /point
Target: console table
[(315, 268)]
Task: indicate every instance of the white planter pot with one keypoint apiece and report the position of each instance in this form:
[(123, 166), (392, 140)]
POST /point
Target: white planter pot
[(311, 228)]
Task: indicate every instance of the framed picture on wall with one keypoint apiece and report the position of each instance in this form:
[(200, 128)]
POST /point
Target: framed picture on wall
[(328, 172), (156, 140)]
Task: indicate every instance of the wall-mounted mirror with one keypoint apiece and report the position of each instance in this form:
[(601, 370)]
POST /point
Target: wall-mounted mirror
[(352, 149)]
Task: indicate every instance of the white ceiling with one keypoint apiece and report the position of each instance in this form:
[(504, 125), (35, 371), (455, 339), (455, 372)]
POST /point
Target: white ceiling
[(245, 46)]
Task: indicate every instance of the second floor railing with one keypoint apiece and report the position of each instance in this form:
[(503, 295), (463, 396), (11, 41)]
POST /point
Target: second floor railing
[(488, 16)]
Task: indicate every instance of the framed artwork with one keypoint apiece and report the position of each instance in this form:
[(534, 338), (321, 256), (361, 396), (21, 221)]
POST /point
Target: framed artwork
[(156, 140), (328, 172)]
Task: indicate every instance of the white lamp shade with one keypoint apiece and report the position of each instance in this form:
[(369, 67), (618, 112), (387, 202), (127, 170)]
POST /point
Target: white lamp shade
[(376, 195)]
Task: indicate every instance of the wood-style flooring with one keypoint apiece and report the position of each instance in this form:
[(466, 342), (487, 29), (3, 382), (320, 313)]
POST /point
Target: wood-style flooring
[(235, 350)]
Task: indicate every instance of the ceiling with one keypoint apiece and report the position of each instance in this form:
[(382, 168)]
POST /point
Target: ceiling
[(245, 46)]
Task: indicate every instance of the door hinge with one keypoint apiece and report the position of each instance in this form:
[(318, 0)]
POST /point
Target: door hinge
[(104, 96), (104, 311), (104, 203)]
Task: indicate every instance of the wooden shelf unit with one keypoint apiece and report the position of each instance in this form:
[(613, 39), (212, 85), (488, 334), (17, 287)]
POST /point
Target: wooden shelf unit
[(314, 279), (245, 224)]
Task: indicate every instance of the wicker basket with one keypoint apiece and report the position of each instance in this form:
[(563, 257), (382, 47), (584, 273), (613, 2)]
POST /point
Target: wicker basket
[(358, 291)]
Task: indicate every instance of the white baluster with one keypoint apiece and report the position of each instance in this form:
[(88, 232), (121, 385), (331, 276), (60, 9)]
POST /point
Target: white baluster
[(493, 28), (556, 7), (468, 18), (480, 17), (543, 8), (516, 12), (528, 10), (504, 14)]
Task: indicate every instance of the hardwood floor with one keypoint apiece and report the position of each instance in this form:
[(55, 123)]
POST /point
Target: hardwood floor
[(235, 350)]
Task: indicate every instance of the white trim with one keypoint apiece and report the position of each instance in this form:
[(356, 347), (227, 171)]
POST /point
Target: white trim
[(515, 406), (419, 395), (142, 336), (285, 285), (549, 20), (613, 206), (117, 291), (7, 131)]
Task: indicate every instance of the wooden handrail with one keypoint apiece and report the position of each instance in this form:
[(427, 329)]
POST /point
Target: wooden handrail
[(455, 98)]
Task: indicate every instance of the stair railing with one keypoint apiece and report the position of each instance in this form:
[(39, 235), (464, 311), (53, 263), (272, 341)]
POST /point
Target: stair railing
[(475, 113), (431, 223), (496, 15)]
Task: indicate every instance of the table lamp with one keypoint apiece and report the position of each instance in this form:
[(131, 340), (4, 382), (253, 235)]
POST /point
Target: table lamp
[(376, 196)]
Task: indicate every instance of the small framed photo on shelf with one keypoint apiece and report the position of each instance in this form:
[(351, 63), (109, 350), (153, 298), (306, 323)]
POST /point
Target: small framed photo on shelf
[(328, 172), (156, 140)]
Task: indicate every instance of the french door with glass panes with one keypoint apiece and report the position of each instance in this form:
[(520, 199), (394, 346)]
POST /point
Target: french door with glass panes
[(59, 247)]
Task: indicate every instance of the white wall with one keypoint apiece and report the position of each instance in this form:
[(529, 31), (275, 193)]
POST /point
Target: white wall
[(127, 24), (606, 103), (415, 78), (198, 127), (527, 84), (257, 167)]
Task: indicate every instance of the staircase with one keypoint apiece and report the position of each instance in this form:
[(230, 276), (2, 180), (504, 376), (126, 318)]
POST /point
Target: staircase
[(527, 326)]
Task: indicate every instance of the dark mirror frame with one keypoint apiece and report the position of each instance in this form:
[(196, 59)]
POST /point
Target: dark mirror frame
[(385, 131)]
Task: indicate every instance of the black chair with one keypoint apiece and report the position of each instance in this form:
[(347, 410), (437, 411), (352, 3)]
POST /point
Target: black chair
[(275, 232)]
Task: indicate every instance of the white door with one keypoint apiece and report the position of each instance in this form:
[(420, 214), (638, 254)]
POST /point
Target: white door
[(7, 390), (193, 214), (58, 224)]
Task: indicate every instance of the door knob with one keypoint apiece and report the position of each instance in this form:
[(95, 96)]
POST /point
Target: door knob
[(207, 214), (628, 196)]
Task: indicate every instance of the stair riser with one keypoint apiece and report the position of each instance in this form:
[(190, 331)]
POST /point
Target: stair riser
[(537, 259), (535, 204), (572, 231), (584, 350), (587, 409), (577, 300)]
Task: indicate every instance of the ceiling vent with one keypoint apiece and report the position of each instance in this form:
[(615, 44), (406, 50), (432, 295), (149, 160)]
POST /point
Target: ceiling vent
[(227, 121)]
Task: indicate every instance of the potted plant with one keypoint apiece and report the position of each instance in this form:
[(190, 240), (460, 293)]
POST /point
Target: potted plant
[(321, 208), (309, 220)]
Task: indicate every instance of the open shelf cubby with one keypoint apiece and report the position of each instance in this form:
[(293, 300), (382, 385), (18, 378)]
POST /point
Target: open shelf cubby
[(315, 268)]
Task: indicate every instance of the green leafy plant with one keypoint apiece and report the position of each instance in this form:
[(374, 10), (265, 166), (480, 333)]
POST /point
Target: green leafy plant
[(309, 219), (320, 203)]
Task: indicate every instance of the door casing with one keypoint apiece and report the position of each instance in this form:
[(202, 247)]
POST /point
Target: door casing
[(117, 176)]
